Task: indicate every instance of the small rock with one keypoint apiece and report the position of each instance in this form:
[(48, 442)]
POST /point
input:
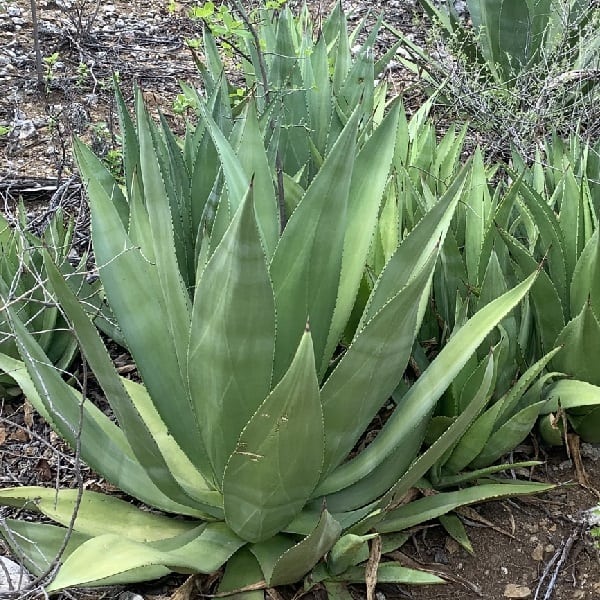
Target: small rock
[(13, 11), (549, 549), (512, 590), (590, 451), (13, 577), (538, 553), (504, 570), (129, 596), (26, 129)]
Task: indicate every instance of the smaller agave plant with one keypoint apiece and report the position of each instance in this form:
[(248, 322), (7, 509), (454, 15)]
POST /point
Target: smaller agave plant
[(22, 273), (559, 223)]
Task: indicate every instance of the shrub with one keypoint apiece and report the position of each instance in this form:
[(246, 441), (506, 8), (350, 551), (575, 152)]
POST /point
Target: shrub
[(519, 71)]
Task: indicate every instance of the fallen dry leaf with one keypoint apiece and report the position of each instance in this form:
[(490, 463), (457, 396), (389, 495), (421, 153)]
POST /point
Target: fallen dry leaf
[(43, 470), (28, 413), (20, 435), (2, 435), (187, 590)]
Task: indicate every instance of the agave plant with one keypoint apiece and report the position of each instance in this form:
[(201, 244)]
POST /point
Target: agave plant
[(22, 270), (510, 37), (518, 70), (559, 216), (248, 410), (474, 269), (233, 262)]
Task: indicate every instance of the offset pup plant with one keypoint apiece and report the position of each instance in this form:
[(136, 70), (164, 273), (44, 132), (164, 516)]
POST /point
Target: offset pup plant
[(21, 267), (558, 221), (23, 273)]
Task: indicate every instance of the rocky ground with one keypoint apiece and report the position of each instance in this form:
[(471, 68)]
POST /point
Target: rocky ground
[(527, 548)]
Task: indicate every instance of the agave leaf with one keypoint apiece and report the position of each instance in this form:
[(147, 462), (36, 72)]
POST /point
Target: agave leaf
[(509, 435), (139, 436), (580, 340), (348, 551), (112, 555), (37, 544), (177, 182), (569, 196), (254, 161), (318, 93), (456, 530), (512, 399), (474, 440), (390, 572), (423, 395), (139, 229), (395, 469), (178, 463), (368, 373), (366, 190), (266, 481), (415, 250), (92, 169), (160, 213), (477, 215), (298, 560), (449, 281), (446, 481), (544, 294), (586, 277), (587, 423), (103, 445), (232, 338), (131, 280), (358, 88), (551, 238), (131, 146), (430, 507), (242, 570), (215, 81), (512, 33), (235, 177), (343, 56), (571, 393), (306, 265), (97, 514)]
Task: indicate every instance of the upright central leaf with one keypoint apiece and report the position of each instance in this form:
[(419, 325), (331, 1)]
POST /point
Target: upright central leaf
[(232, 338), (278, 460), (307, 262)]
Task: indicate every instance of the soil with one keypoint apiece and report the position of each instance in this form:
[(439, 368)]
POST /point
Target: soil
[(523, 548)]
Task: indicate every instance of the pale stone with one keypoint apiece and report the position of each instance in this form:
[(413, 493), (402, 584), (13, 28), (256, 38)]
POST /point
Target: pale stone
[(538, 553), (13, 576), (512, 590)]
